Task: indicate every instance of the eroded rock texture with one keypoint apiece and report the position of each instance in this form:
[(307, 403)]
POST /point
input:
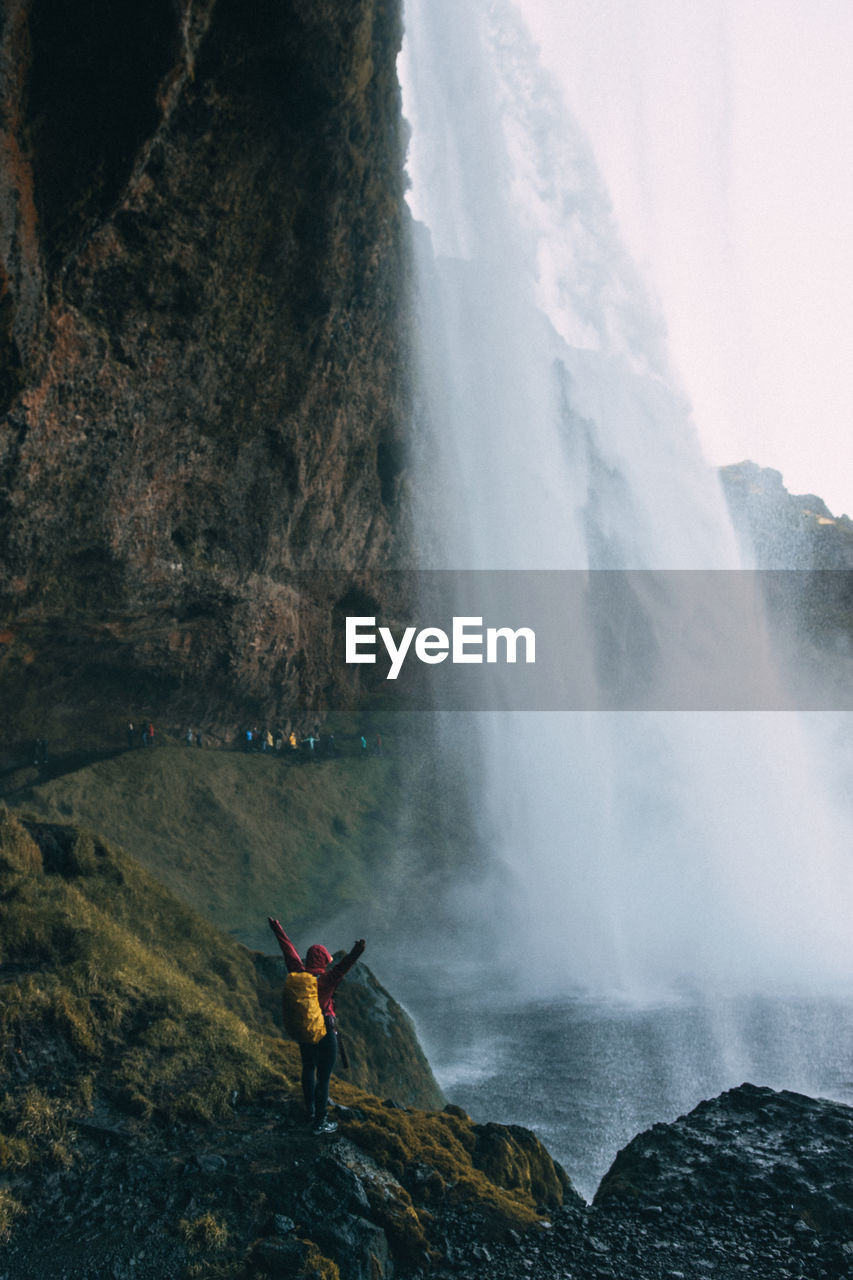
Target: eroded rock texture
[(752, 1148), (202, 350)]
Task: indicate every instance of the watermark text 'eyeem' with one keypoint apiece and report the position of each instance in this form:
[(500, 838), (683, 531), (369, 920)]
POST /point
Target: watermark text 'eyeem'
[(468, 642)]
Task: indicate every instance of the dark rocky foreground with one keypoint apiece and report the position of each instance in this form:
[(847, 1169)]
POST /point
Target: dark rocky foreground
[(262, 1196), (754, 1183)]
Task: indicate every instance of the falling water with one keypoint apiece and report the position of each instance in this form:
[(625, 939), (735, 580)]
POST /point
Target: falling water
[(645, 853)]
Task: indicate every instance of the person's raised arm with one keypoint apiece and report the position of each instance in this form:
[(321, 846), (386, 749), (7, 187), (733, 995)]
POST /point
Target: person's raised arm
[(291, 955), (344, 966)]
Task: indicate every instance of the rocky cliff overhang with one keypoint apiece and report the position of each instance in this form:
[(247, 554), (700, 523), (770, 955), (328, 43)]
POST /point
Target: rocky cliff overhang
[(202, 349)]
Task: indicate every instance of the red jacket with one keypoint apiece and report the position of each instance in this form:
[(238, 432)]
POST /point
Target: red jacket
[(317, 960)]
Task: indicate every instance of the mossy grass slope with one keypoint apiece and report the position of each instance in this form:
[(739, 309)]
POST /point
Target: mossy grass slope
[(109, 984), (502, 1170), (121, 1007), (239, 836)]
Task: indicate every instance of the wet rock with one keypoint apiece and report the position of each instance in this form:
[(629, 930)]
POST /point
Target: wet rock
[(783, 529), (333, 1189), (358, 1246), (280, 1257), (749, 1149)]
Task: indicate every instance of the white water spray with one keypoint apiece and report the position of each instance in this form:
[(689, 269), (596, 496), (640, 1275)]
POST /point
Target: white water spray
[(647, 850)]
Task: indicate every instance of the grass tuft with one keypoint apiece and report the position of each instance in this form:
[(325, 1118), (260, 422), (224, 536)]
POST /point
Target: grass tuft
[(205, 1234), (10, 1209), (18, 852)]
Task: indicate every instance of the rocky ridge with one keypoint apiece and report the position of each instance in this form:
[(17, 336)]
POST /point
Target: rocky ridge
[(752, 1184), (258, 1196), (803, 554), (783, 530)]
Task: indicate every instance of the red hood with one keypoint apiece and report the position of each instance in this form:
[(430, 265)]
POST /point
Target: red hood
[(317, 959)]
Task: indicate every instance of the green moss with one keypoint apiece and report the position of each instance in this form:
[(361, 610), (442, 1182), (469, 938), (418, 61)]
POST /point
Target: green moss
[(83, 859), (14, 1153), (34, 1128), (514, 1158), (155, 1023), (446, 1143), (239, 837)]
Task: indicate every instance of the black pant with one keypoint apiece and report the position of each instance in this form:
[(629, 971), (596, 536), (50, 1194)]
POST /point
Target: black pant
[(317, 1063)]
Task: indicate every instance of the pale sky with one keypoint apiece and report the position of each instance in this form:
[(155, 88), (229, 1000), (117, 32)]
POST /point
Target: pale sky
[(724, 132)]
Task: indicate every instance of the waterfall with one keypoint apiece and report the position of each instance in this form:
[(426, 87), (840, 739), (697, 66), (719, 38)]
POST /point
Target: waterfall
[(632, 852)]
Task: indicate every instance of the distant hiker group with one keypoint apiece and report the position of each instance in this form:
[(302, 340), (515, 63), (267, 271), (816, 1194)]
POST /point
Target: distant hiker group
[(311, 743), (291, 743), (146, 737), (309, 1018)]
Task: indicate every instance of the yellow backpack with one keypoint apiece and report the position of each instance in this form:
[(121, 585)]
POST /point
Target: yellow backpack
[(303, 1017)]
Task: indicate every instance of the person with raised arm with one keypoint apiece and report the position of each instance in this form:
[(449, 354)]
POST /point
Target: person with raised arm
[(314, 1030)]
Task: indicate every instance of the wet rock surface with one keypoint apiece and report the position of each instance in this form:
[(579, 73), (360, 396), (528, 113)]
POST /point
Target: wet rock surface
[(260, 1195), (668, 1244), (749, 1148), (751, 1184)]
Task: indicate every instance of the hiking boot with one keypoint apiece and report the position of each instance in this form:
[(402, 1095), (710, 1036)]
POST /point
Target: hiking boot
[(325, 1126)]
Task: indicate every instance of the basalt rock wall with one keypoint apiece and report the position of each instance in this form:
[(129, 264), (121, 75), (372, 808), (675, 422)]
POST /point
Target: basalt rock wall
[(202, 351), (782, 530)]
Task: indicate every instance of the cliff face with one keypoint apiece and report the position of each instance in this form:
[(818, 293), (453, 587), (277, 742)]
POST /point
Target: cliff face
[(782, 530), (202, 368), (810, 607)]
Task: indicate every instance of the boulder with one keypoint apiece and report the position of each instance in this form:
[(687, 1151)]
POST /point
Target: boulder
[(751, 1149)]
